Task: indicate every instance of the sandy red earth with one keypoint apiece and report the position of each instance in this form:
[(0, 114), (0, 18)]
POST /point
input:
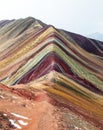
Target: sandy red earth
[(26, 112), (36, 110)]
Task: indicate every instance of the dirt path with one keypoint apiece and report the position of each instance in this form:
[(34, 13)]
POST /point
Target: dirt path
[(20, 113)]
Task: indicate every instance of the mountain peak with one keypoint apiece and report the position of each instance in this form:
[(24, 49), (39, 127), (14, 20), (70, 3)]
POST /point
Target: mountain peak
[(96, 35)]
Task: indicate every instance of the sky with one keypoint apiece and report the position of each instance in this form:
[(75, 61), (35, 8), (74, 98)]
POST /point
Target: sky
[(79, 16)]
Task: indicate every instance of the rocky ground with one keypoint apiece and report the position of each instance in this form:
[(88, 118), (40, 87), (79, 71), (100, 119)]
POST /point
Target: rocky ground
[(28, 110)]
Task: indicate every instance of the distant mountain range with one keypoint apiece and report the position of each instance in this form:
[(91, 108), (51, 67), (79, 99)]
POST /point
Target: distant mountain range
[(97, 36)]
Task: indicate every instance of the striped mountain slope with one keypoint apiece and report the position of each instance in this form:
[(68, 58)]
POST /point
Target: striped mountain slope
[(67, 66)]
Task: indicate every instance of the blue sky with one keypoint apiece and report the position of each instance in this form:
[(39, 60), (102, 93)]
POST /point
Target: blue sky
[(80, 16)]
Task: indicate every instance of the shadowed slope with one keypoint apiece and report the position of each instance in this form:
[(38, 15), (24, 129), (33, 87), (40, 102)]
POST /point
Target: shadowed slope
[(90, 45)]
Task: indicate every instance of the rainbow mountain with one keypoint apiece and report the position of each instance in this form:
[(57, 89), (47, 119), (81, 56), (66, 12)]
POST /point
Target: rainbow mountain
[(50, 79)]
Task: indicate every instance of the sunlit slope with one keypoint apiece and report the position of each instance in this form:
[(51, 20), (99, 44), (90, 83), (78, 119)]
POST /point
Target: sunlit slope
[(73, 96), (45, 51), (29, 107)]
